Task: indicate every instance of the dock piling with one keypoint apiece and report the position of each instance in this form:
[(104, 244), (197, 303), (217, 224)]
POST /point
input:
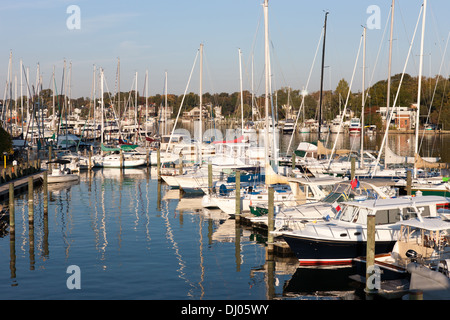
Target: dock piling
[(270, 223), (210, 182), (30, 200), (12, 223), (238, 196), (408, 182), (45, 178), (158, 164), (371, 288)]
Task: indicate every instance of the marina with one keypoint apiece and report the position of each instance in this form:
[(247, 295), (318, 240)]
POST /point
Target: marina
[(126, 228), (274, 195)]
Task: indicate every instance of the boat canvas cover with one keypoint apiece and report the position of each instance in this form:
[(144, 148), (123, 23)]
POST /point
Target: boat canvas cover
[(106, 149)]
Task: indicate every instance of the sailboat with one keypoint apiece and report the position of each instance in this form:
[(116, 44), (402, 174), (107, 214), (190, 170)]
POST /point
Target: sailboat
[(113, 157)]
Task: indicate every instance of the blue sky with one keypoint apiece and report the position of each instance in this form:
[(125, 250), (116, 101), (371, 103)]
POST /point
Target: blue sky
[(161, 36)]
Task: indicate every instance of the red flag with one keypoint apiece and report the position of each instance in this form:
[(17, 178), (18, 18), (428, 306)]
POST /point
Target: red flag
[(354, 183)]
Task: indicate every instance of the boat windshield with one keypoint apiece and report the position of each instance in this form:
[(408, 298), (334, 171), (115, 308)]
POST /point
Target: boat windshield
[(344, 192)]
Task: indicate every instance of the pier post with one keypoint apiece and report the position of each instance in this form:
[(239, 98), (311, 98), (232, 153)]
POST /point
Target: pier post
[(416, 295), (353, 168), (148, 157), (12, 223), (181, 163), (90, 159), (371, 287), (45, 177), (158, 164), (293, 164), (30, 200), (408, 182), (270, 222), (238, 196), (121, 159), (210, 182), (49, 158)]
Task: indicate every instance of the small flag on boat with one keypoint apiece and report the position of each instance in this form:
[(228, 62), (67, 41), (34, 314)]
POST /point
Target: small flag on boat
[(336, 207), (354, 183)]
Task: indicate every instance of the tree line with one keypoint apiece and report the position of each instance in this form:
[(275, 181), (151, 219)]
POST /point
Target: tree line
[(435, 101)]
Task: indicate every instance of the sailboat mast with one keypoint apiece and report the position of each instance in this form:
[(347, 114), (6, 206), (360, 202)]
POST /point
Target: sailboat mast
[(416, 150), (21, 95), (201, 102), (267, 75), (363, 100), (101, 117), (54, 100), (388, 97), (146, 101), (321, 76), (136, 124), (253, 93), (242, 95), (118, 90), (165, 107)]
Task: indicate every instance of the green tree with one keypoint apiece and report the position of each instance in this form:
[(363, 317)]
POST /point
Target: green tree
[(5, 141)]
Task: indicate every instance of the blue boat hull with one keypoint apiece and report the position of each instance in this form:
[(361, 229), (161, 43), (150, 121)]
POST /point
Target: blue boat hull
[(311, 251)]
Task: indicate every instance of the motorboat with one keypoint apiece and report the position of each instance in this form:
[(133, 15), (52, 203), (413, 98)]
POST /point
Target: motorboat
[(61, 174), (309, 190), (422, 242), (290, 218), (343, 238), (288, 126), (355, 126)]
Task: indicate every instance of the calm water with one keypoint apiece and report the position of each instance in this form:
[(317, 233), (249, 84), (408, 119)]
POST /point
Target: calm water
[(133, 238), (130, 241)]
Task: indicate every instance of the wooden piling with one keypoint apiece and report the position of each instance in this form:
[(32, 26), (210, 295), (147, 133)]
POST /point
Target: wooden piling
[(49, 158), (180, 157), (353, 168), (210, 182), (370, 253), (270, 222), (45, 178), (293, 163), (90, 160), (158, 164), (30, 199), (416, 295), (238, 196), (12, 223), (408, 182)]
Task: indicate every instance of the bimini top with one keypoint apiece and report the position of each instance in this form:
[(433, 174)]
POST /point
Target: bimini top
[(429, 223), (400, 202)]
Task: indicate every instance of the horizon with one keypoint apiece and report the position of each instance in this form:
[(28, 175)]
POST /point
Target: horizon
[(159, 37)]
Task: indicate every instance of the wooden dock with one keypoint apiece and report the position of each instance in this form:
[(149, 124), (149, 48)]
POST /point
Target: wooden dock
[(20, 185)]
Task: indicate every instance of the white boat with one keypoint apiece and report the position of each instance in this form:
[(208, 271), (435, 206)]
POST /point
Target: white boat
[(288, 126), (290, 218), (336, 125), (114, 161), (227, 203), (61, 174), (423, 243), (355, 126), (343, 238)]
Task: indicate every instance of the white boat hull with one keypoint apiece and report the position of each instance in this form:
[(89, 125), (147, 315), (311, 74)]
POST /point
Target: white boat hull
[(62, 178)]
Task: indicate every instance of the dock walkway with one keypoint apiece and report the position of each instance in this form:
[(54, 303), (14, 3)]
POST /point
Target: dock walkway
[(20, 185)]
